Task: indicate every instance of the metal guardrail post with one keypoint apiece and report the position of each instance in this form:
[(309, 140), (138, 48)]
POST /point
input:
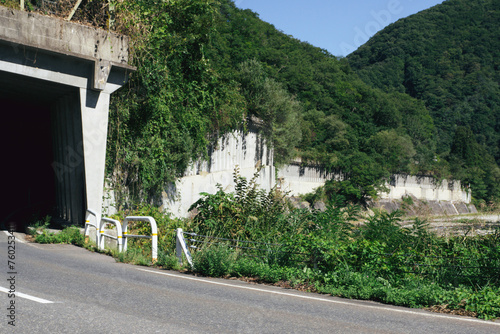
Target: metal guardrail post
[(180, 246), (102, 234), (153, 237), (97, 218)]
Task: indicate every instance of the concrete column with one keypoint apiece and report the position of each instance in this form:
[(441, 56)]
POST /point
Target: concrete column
[(94, 114)]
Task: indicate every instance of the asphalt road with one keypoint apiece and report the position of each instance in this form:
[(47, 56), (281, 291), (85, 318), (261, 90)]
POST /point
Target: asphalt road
[(66, 289)]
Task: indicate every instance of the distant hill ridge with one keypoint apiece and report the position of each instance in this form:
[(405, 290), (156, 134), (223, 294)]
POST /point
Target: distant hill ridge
[(447, 56), (420, 98), (427, 81)]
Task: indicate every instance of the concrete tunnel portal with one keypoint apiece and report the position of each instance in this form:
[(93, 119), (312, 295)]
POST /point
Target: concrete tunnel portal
[(56, 79)]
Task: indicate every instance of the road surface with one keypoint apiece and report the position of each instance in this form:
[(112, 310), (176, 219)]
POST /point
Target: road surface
[(66, 289)]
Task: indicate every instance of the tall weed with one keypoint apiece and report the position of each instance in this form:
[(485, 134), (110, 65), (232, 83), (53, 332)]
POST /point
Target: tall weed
[(247, 214)]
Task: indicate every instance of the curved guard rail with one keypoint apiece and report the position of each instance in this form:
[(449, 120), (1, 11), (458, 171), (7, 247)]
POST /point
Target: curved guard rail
[(102, 234), (153, 236), (92, 222)]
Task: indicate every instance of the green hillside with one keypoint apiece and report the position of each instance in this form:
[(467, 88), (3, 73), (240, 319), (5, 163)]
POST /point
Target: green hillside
[(206, 68), (341, 115), (449, 57)]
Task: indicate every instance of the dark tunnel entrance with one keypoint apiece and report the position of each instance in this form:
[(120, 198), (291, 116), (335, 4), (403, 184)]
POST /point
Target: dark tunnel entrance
[(41, 128), (56, 79), (28, 177)]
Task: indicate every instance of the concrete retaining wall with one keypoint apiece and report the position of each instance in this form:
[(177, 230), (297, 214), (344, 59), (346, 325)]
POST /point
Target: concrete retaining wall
[(248, 151), (425, 188), (426, 208), (297, 179)]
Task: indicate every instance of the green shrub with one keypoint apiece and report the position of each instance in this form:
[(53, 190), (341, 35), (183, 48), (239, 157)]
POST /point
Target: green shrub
[(486, 302), (69, 235), (247, 214), (168, 261), (214, 261)]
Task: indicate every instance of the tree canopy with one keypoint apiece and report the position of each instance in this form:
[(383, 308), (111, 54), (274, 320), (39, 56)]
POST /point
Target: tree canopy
[(448, 58), (206, 67)]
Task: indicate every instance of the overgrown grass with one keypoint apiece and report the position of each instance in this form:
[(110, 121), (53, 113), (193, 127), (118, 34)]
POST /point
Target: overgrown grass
[(133, 256), (327, 252), (407, 289), (69, 235)]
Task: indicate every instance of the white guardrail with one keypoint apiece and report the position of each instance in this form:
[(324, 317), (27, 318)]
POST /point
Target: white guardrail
[(119, 234), (153, 236), (180, 246), (92, 222), (91, 219)]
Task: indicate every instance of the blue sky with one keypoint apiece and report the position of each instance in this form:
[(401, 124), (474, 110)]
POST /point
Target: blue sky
[(337, 26)]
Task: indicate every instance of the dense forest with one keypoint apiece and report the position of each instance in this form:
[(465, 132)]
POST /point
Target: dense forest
[(420, 101), (449, 58), (420, 97)]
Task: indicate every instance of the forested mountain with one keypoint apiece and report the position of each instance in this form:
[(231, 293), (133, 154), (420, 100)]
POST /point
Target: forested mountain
[(449, 57), (205, 68), (342, 117)]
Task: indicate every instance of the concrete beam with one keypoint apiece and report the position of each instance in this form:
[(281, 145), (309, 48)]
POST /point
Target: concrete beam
[(104, 49)]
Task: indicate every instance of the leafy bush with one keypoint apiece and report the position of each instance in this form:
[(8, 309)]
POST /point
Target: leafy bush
[(168, 261), (249, 213), (214, 261), (69, 235)]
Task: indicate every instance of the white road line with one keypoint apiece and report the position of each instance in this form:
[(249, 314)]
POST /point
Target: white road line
[(23, 295), (7, 232), (17, 239), (425, 314)]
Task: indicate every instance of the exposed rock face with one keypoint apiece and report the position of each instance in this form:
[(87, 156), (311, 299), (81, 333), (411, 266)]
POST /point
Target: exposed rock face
[(320, 206), (414, 207)]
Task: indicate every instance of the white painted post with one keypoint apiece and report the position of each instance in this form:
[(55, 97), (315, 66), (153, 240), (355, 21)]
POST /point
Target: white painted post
[(88, 222), (118, 237), (153, 237), (180, 246)]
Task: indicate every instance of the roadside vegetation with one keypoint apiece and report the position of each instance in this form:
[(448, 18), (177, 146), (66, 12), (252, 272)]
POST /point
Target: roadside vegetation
[(427, 105), (40, 233), (258, 236), (330, 252)]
